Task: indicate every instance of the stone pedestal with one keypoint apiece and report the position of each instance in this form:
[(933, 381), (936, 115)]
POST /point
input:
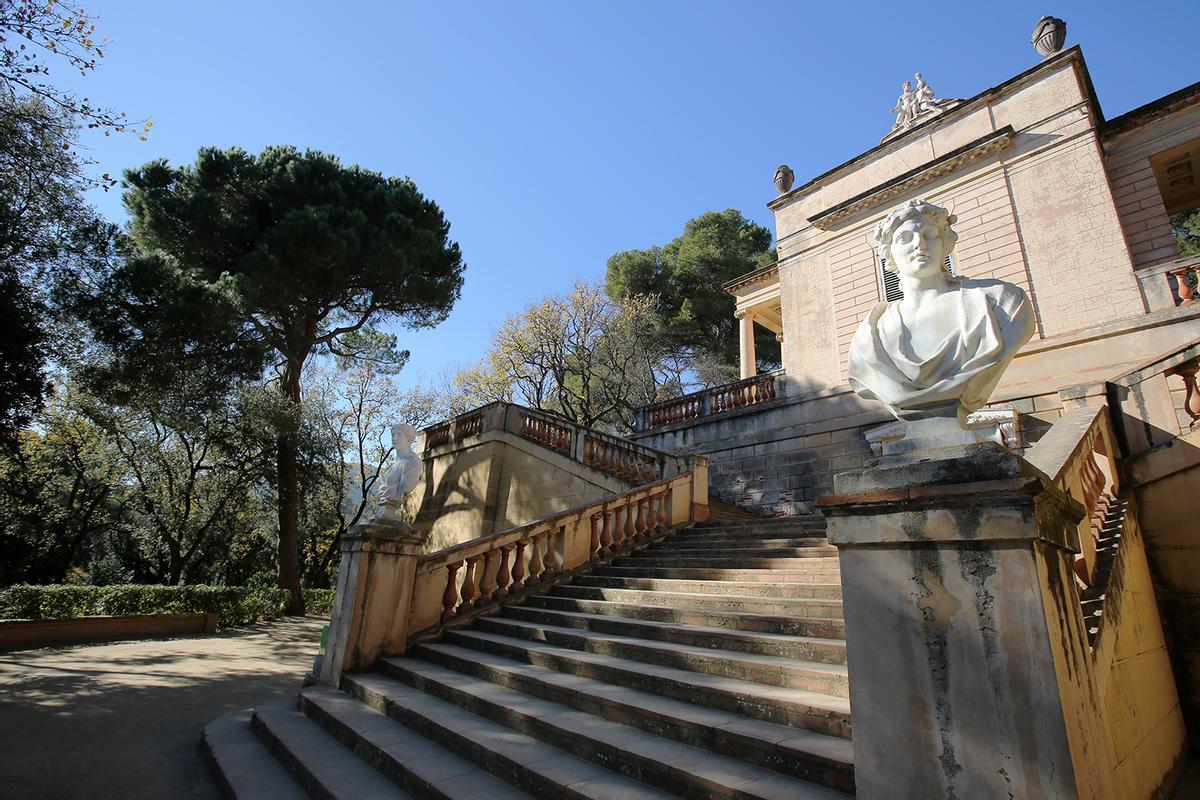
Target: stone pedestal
[(374, 594), (970, 674)]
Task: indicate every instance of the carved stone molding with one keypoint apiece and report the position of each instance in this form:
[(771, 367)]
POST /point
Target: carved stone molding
[(902, 184), (764, 275)]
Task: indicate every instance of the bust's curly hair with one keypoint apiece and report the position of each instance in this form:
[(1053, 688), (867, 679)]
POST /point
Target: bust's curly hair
[(915, 208)]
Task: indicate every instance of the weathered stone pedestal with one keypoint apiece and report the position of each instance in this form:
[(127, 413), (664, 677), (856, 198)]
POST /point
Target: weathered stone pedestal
[(970, 675), (374, 594)]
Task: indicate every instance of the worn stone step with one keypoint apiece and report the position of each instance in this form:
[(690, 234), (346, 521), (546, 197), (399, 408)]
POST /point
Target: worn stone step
[(771, 670), (645, 558), (708, 601), (808, 648), (424, 767), (815, 571), (822, 550), (817, 757), (675, 766), (321, 764), (826, 591), (520, 761), (812, 711), (241, 764), (744, 543), (765, 525), (797, 626)]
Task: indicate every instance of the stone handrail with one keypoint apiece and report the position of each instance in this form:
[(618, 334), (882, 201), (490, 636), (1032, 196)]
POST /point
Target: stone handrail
[(612, 455), (715, 400), (472, 577), (1079, 454)]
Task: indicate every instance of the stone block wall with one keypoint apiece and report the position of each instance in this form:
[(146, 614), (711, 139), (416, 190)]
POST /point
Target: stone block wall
[(1143, 216)]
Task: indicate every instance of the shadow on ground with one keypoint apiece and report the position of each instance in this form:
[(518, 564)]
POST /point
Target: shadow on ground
[(123, 719)]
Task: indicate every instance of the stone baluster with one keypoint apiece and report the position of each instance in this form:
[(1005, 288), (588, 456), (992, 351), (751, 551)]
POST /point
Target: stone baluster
[(595, 549), (487, 581), (1191, 402), (1184, 287), (468, 585), (450, 596), (553, 559), (630, 528), (503, 574), (518, 570), (535, 560), (639, 522), (606, 533)]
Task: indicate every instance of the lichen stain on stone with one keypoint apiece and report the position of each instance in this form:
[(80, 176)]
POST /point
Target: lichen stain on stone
[(938, 608), (977, 567), (913, 525)]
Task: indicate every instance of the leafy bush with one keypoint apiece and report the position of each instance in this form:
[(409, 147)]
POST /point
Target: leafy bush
[(233, 605), (318, 601)]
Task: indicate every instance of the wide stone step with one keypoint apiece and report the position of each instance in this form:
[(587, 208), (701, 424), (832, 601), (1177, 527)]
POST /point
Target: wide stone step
[(726, 543), (795, 626), (518, 764), (822, 591), (241, 764), (822, 551), (771, 670), (807, 648), (708, 601), (768, 525), (824, 759), (319, 762), (720, 560), (816, 571), (671, 765), (812, 711), (719, 551), (456, 753)]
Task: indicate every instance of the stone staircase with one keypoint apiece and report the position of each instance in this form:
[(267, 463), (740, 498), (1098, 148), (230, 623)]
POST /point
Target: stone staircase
[(709, 665)]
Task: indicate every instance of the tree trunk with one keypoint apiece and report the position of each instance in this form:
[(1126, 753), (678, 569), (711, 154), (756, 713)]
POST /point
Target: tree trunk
[(289, 483)]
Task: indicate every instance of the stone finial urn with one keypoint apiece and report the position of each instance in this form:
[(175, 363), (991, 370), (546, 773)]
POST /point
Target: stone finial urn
[(784, 177), (1049, 35)]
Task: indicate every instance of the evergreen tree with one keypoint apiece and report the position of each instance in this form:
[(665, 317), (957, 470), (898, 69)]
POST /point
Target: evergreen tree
[(242, 264)]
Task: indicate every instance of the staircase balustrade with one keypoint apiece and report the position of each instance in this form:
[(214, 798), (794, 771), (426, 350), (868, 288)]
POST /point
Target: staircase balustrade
[(472, 577), (612, 455), (546, 432), (1079, 453), (708, 402)]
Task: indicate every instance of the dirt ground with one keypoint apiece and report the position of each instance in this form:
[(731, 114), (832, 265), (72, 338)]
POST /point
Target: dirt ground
[(123, 719)]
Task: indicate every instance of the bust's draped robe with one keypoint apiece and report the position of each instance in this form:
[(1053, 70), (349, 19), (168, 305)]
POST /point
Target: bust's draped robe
[(994, 320)]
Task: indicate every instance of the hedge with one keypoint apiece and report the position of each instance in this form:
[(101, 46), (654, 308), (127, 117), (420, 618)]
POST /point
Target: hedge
[(233, 605)]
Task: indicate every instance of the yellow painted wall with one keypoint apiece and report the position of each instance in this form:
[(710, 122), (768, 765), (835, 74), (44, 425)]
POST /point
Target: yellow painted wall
[(1142, 712)]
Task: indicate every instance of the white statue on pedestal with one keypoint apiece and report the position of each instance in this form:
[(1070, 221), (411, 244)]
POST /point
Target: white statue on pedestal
[(402, 476), (938, 352)]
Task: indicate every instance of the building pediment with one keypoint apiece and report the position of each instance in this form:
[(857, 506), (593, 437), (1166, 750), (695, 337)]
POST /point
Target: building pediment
[(906, 182)]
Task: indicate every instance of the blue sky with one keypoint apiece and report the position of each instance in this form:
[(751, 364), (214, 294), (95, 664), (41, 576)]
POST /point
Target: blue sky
[(554, 134)]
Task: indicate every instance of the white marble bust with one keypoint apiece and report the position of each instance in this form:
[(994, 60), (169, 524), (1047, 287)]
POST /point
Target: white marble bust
[(402, 475), (940, 350)]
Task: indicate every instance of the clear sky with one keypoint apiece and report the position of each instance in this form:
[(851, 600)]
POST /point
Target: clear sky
[(554, 134)]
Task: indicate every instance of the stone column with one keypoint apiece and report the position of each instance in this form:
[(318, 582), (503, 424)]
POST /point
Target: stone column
[(746, 340), (970, 672), (374, 595)]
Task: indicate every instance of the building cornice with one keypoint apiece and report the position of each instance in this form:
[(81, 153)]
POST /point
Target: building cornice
[(1152, 111), (763, 275), (1072, 54), (932, 170)]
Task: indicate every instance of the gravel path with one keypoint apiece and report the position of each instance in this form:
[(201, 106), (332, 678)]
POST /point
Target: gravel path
[(123, 719)]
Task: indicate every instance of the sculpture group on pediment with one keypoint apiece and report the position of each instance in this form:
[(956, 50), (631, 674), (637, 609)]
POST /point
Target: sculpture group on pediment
[(915, 102)]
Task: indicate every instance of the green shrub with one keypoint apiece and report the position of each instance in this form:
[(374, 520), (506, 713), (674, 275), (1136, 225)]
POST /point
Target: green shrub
[(233, 605), (318, 601)]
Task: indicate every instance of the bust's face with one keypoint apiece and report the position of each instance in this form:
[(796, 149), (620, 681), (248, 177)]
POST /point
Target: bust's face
[(917, 249)]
